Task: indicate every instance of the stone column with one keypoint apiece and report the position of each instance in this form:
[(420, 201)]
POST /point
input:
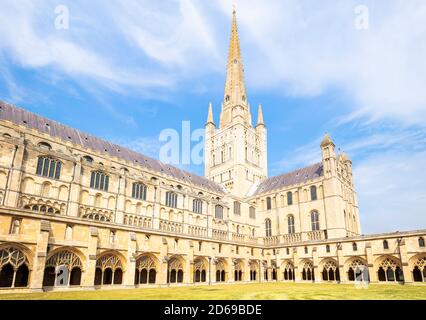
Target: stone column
[(340, 264), (370, 261), (231, 271), (164, 263), (189, 265), (91, 256), (129, 277), (297, 271), (121, 197), (246, 272), (39, 261), (74, 192), (13, 188), (408, 275), (315, 261)]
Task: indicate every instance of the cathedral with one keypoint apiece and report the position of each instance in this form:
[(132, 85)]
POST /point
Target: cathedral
[(81, 213)]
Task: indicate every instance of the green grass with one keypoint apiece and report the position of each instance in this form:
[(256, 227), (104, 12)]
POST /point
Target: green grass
[(267, 291)]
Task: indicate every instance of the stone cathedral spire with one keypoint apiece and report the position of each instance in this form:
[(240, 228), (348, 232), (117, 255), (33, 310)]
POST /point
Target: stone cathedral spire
[(235, 99)]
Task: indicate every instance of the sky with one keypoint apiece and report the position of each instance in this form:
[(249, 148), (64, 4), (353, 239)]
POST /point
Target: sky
[(128, 70)]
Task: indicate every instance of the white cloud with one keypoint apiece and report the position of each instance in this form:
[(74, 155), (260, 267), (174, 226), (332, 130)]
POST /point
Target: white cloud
[(392, 192), (304, 48)]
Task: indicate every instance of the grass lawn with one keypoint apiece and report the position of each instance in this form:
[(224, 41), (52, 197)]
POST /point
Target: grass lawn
[(267, 291)]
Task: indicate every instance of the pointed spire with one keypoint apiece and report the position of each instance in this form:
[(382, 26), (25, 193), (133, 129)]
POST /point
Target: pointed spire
[(210, 115), (235, 91), (260, 116), (326, 140)]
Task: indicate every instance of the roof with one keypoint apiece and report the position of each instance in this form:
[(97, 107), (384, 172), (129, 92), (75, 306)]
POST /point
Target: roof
[(55, 129), (292, 178)]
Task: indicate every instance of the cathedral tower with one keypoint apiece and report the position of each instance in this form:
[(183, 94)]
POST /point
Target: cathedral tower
[(235, 152)]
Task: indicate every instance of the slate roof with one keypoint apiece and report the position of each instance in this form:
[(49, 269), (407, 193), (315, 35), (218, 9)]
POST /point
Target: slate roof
[(55, 129), (292, 178)]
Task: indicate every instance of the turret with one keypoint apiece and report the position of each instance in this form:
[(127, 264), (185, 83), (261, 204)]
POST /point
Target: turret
[(328, 156)]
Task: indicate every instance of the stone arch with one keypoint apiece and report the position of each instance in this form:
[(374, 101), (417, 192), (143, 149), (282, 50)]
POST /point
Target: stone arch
[(28, 185), (14, 266), (46, 189), (356, 269), (111, 203), (63, 193), (98, 199), (109, 268), (389, 269), (84, 197), (417, 266), (307, 270), (221, 267), (254, 270), (238, 269), (65, 257), (176, 265), (329, 269), (288, 270), (146, 269), (200, 269)]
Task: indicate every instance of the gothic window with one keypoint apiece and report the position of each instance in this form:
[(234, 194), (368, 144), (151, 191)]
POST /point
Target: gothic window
[(99, 181), (197, 206), (252, 212), (53, 275), (16, 226), (306, 250), (139, 191), (390, 270), (315, 221), (171, 199), (268, 203), (358, 271), (237, 208), (175, 274), (220, 271), (268, 227), (314, 195), (88, 159), (200, 270), (385, 244), (354, 247), (45, 145), (109, 270), (327, 248), (14, 271), (288, 271), (146, 270), (330, 271), (290, 221), (421, 242), (308, 271), (289, 198), (48, 167), (218, 212), (419, 270)]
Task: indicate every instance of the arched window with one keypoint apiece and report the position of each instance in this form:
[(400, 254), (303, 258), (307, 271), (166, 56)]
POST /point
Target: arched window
[(354, 247), (218, 212), (99, 181), (171, 199), (268, 227), (315, 221), (109, 270), (45, 145), (289, 198), (49, 168), (197, 206), (314, 193), (290, 221), (88, 159), (14, 271), (139, 191), (237, 208), (252, 213), (268, 203), (306, 250), (385, 244), (327, 248), (421, 242)]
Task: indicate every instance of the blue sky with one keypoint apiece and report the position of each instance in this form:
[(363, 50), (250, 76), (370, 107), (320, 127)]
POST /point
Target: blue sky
[(127, 70)]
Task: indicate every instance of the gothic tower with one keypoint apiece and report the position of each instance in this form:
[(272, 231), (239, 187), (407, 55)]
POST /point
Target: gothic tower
[(235, 152)]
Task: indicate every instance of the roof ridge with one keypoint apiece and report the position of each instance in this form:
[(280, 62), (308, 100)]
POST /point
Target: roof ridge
[(182, 174)]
